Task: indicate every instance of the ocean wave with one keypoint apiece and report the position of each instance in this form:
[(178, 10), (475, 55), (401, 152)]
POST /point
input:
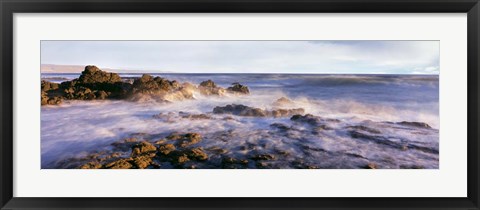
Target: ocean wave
[(82, 127)]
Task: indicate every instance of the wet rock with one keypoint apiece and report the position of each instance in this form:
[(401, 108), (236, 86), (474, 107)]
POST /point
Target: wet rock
[(82, 93), (228, 118), (241, 110), (142, 162), (46, 100), (161, 142), (415, 124), (101, 95), (233, 163), (91, 165), (195, 116), (280, 126), (282, 152), (166, 149), (185, 140), (208, 84), (152, 85), (92, 84), (47, 86), (286, 112), (364, 128), (263, 157), (175, 136), (420, 148), (393, 144), (308, 118), (143, 148), (262, 165), (318, 129), (210, 88), (412, 167), (110, 156), (50, 94), (167, 117), (120, 164), (217, 150), (283, 101), (197, 154), (238, 88), (92, 74), (181, 159)]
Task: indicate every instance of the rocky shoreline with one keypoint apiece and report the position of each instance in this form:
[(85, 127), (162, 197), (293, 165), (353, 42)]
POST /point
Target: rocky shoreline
[(289, 140), (95, 84), (188, 151)]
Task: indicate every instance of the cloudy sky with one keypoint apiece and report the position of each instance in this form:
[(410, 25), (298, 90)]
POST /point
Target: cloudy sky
[(357, 57)]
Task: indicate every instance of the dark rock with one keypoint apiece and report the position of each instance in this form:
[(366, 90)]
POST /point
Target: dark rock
[(261, 165), (101, 95), (238, 88), (46, 100), (415, 124), (387, 142), (208, 84), (46, 86), (364, 128), (240, 110), (210, 88), (152, 85), (280, 126), (185, 140), (92, 84), (120, 164), (286, 112), (233, 163), (180, 159), (142, 162), (50, 94), (196, 116), (197, 154), (91, 165), (143, 148), (93, 74), (166, 149), (217, 150), (412, 167), (308, 118), (263, 157)]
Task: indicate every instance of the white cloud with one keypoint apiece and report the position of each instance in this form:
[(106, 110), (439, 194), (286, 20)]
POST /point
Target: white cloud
[(250, 56)]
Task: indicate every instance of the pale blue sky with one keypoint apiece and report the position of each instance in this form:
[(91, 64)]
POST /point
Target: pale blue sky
[(356, 57)]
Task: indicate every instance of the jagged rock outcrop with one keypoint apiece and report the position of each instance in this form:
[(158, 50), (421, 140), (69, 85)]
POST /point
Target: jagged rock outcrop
[(238, 88), (93, 75), (95, 84), (242, 110), (92, 84), (210, 88)]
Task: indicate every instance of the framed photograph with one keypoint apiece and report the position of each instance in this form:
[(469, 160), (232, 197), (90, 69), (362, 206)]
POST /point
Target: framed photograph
[(239, 105)]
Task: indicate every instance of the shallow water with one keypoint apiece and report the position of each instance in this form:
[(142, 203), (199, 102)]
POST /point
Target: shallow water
[(344, 102)]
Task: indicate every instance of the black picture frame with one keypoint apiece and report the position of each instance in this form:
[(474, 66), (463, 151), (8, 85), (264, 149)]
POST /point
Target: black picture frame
[(9, 7)]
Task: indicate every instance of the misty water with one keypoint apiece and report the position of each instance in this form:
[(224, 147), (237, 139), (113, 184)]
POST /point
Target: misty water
[(361, 117)]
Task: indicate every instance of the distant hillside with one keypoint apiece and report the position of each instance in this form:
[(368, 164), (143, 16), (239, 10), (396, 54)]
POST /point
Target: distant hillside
[(53, 68)]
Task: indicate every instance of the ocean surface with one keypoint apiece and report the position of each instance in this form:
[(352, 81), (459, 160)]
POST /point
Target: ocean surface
[(346, 102)]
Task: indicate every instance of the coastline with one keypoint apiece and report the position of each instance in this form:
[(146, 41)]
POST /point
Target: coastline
[(282, 133)]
